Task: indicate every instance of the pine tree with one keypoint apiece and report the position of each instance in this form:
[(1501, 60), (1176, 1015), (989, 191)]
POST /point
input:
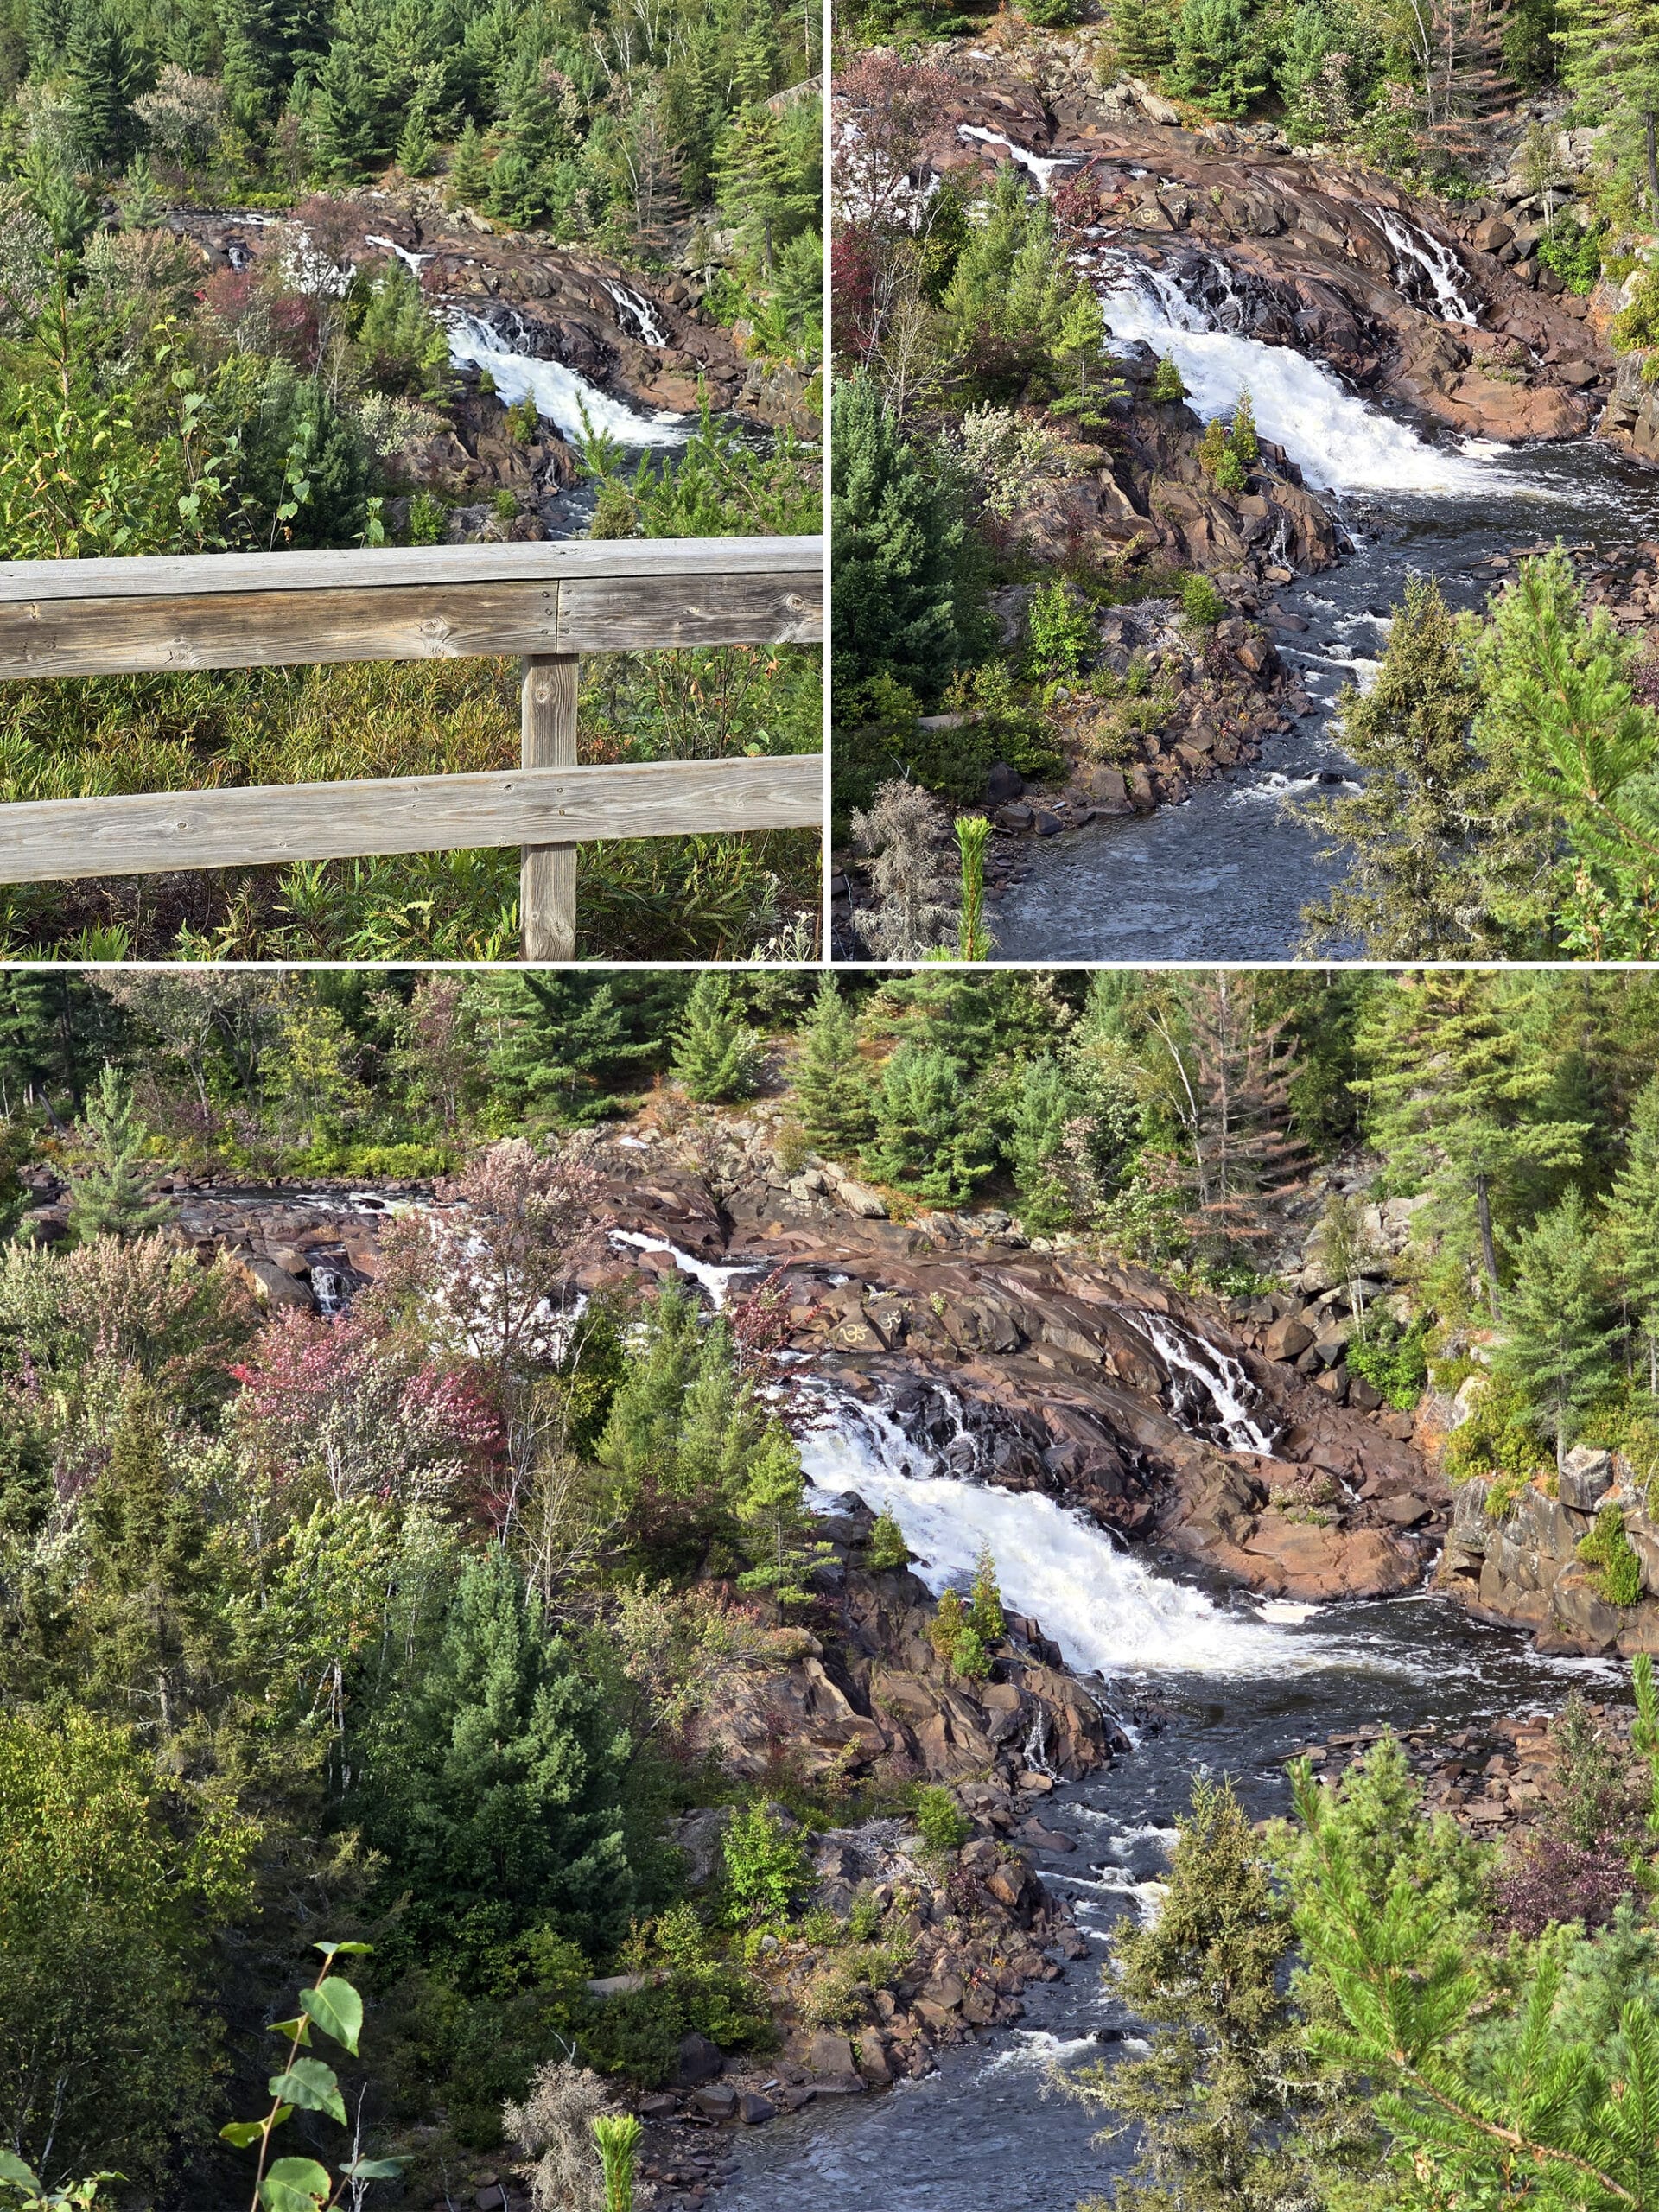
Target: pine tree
[(1457, 1106), (109, 1196), (985, 1603), (1234, 1068), (469, 169), (1633, 1223), (777, 1529), (565, 1048), (99, 77), (1610, 57), (1142, 36), (1218, 58), (929, 1133), (894, 545), (250, 54), (1037, 1146), (340, 121), (147, 1624), (1559, 1334), (417, 148), (831, 1088), (1560, 724), (1415, 837), (494, 1788), (717, 1055)]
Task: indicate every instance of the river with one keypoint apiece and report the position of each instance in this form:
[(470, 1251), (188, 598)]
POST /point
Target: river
[(1207, 1683), (1226, 874)]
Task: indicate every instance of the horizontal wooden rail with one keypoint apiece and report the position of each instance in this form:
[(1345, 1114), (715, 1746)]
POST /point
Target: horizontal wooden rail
[(547, 603), (272, 824)]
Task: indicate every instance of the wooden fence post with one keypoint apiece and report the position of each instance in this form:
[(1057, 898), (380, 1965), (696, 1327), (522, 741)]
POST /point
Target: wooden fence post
[(547, 873)]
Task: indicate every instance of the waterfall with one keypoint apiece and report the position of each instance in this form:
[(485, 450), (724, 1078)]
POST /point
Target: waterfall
[(636, 314), (413, 261), (1109, 1613), (1339, 443), (1437, 263), (1042, 168), (1209, 1391), (328, 1291), (717, 1282), (560, 395)]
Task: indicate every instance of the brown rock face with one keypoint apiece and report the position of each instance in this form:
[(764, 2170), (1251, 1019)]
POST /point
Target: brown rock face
[(1340, 263)]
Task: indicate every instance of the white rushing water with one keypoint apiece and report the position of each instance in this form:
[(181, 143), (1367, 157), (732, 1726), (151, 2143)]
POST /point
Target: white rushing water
[(1436, 260), (1043, 168), (636, 314), (1108, 1612), (1208, 1387), (560, 394), (717, 1282), (1339, 442)]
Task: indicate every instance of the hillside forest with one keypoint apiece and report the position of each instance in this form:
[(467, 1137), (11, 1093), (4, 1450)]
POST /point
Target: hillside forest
[(161, 393), (391, 1625), (978, 390)]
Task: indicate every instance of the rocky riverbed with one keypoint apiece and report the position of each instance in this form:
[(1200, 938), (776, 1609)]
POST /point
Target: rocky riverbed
[(1431, 399), (1217, 1545)]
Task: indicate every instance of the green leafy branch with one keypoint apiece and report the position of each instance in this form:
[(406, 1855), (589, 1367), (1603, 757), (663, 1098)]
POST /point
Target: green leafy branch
[(334, 2008)]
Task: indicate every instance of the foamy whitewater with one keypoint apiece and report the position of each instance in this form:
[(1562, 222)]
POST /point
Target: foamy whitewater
[(561, 396), (1107, 1611), (1339, 443)]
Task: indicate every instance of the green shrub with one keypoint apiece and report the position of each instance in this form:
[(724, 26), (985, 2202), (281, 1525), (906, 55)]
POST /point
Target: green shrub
[(1575, 253), (1230, 473), (1616, 1570), (1497, 1438), (943, 1824), (1638, 325), (1059, 632), (886, 1547), (968, 1656), (427, 517), (523, 422), (985, 1603), (1201, 605), (1167, 385), (949, 1619), (767, 1869), (1392, 1360)]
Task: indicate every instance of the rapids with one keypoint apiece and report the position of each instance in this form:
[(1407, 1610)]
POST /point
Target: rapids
[(1227, 874), (1205, 1684)]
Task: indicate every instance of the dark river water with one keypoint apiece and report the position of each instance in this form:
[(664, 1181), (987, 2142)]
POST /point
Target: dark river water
[(989, 2132), (1226, 875)]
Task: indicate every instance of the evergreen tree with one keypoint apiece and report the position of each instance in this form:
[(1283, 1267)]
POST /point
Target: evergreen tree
[(717, 1055), (493, 1787), (341, 123), (109, 1195), (1610, 58), (894, 541), (1227, 2070), (1142, 36), (99, 78), (929, 1132), (640, 1446), (831, 1089), (403, 344), (1234, 1066), (1633, 1223), (469, 169), (1456, 1105), (775, 1529), (567, 1049), (1038, 1144), (1218, 59), (1559, 1336), (146, 1623), (417, 148), (250, 57), (1559, 725), (1414, 838)]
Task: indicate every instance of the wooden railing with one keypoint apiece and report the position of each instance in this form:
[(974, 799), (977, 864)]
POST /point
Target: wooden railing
[(548, 603)]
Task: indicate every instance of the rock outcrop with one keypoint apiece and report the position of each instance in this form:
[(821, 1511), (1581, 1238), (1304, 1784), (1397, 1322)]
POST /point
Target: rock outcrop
[(1512, 1557), (1340, 262)]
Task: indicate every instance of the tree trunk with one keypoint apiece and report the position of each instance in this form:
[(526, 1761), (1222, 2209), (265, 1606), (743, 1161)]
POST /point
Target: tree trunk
[(1651, 125), (1488, 1249)]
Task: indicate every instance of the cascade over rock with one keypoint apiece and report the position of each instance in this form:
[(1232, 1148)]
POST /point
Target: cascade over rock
[(1339, 263)]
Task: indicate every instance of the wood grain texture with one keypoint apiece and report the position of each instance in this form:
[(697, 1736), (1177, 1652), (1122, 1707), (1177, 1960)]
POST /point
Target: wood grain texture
[(613, 614), (547, 873), (124, 636), (46, 839), (387, 567)]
